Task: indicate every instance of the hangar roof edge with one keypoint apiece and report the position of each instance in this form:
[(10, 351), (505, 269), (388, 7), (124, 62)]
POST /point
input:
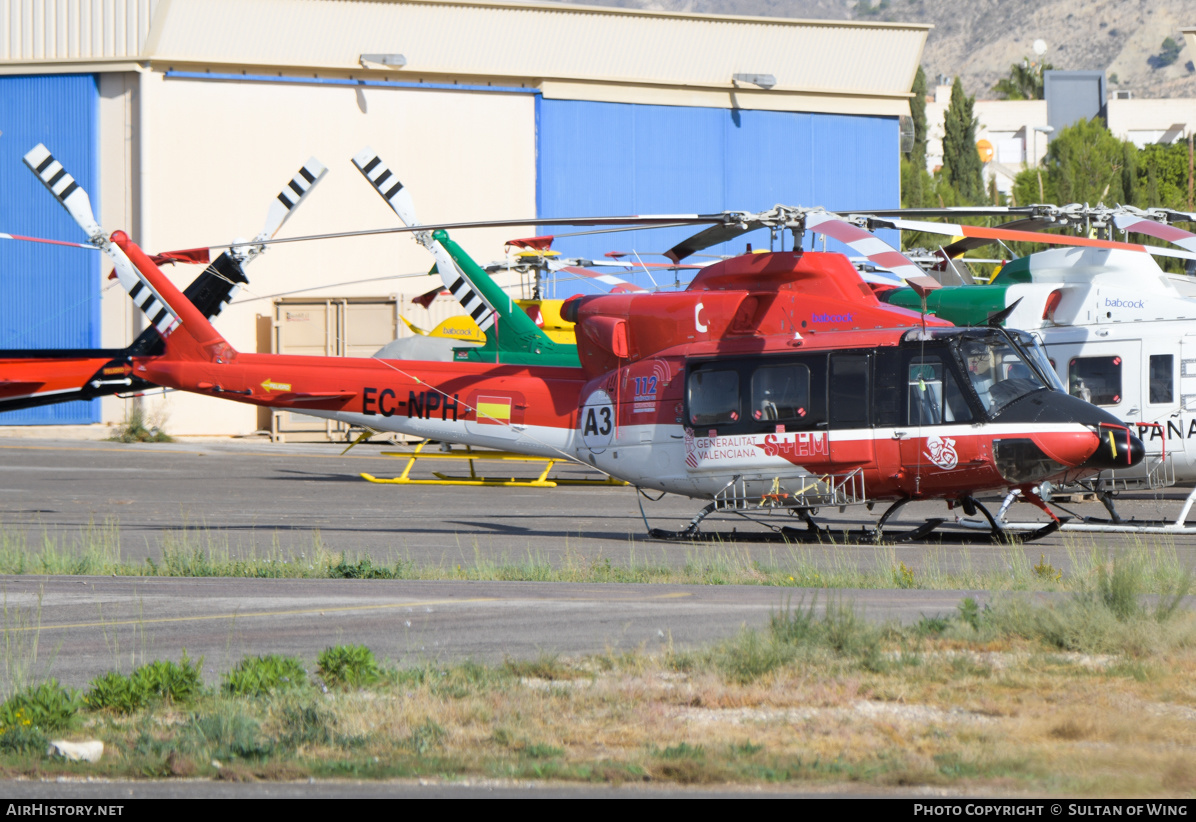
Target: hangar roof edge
[(586, 46)]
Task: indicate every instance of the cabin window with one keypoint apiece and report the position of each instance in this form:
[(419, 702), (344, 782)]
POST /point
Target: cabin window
[(934, 394), (1162, 378), (848, 391), (1095, 379), (781, 392), (713, 396)]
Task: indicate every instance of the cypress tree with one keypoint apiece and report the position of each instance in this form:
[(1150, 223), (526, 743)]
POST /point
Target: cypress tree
[(917, 110), (961, 160)]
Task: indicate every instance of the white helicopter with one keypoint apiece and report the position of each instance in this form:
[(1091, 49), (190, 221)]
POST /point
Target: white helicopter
[(1118, 330)]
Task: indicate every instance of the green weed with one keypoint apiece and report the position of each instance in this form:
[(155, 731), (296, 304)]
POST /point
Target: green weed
[(903, 576), (1044, 570), (363, 568), (348, 666), (48, 707), (138, 428), (260, 675), (160, 681)]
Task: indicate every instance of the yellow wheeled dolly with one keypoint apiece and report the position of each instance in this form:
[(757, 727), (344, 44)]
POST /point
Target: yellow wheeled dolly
[(471, 456)]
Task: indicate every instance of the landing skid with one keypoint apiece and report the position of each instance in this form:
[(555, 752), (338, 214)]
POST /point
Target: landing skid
[(1114, 525), (814, 533)]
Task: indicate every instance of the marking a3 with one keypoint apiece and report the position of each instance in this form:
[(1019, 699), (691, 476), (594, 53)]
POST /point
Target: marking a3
[(598, 421)]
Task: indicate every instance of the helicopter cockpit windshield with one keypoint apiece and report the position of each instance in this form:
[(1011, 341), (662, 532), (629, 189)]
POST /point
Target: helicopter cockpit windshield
[(1000, 370)]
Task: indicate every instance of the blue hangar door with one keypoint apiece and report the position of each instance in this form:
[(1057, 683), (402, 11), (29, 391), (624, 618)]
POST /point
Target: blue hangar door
[(605, 159), (49, 295)]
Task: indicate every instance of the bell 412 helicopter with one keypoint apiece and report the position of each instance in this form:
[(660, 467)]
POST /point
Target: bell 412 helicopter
[(776, 383)]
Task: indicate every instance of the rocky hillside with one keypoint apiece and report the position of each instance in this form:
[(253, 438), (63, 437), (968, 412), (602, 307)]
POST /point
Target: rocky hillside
[(979, 39)]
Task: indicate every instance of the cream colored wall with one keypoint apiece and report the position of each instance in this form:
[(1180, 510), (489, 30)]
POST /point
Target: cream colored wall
[(114, 205), (219, 152)]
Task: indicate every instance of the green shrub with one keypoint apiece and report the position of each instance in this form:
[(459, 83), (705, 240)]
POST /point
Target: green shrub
[(179, 683), (159, 681), (363, 568), (260, 675), (114, 692), (348, 666), (47, 707)]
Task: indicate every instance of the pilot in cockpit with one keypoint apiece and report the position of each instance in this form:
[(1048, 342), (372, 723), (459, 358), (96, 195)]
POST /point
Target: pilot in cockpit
[(980, 370)]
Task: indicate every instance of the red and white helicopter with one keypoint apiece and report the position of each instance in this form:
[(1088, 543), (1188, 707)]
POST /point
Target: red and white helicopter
[(775, 383)]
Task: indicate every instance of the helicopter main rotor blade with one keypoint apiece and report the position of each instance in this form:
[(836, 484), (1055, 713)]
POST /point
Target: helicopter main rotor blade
[(632, 222), (715, 235), (946, 211), (47, 242), (956, 230), (863, 242), (959, 247), (1161, 231)]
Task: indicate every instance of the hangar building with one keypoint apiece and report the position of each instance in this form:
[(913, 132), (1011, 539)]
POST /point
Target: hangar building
[(184, 119)]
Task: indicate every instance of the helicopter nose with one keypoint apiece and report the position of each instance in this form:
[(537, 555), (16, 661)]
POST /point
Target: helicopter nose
[(1116, 448)]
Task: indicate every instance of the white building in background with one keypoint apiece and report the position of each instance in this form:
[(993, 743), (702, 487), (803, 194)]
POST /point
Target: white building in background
[(1017, 132)]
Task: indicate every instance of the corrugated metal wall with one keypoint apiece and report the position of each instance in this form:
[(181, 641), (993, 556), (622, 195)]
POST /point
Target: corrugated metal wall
[(604, 159), (73, 29), (49, 296)]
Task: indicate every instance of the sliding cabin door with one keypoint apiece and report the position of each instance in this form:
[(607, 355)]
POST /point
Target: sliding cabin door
[(849, 403)]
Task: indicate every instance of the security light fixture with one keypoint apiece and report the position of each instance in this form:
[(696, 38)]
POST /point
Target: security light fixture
[(764, 81), (383, 61)]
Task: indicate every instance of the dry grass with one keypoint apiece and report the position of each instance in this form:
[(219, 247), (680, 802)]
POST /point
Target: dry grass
[(978, 717)]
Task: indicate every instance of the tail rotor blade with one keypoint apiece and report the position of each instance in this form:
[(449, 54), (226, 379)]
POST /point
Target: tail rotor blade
[(477, 306), (400, 201), (292, 195), (75, 200), (64, 188), (386, 184)]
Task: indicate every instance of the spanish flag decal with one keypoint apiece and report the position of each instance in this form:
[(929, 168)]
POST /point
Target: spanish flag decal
[(494, 410)]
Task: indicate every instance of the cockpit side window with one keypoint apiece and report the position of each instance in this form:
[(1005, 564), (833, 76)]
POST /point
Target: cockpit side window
[(998, 373), (780, 392), (713, 396), (934, 394)]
